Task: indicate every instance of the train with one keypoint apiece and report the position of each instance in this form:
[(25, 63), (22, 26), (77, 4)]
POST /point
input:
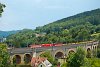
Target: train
[(49, 45), (45, 45)]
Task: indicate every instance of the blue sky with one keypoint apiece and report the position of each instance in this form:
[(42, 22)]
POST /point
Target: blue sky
[(20, 14)]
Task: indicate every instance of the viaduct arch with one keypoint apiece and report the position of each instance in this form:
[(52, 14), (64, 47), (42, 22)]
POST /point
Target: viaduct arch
[(24, 54), (58, 53)]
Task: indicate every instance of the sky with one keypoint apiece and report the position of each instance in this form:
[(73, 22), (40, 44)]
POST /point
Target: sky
[(29, 14)]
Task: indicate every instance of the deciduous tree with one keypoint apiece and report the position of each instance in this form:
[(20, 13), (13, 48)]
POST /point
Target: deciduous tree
[(4, 55), (78, 59), (1, 8)]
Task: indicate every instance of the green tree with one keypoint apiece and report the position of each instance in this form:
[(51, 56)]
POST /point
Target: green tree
[(88, 55), (98, 52), (83, 35), (48, 56), (4, 56), (78, 59), (95, 62), (1, 8), (64, 65), (98, 38)]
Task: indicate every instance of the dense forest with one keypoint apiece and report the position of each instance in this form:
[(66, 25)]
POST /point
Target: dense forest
[(81, 27)]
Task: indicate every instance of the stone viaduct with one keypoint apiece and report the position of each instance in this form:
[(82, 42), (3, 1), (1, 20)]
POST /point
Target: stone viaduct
[(20, 55)]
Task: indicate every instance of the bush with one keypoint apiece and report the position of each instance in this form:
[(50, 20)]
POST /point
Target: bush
[(95, 62), (98, 53), (23, 66), (77, 59), (64, 65)]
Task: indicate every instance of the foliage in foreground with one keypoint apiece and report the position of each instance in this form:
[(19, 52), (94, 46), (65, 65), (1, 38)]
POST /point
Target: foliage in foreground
[(50, 58), (78, 59), (64, 65), (98, 52), (20, 65), (95, 62), (47, 55), (1, 8), (4, 56)]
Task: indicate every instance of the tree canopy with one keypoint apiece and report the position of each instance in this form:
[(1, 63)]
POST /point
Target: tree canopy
[(1, 8), (78, 59), (47, 55), (4, 56)]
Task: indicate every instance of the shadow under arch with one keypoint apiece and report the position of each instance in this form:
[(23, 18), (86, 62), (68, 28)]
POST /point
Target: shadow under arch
[(59, 55), (71, 52), (17, 59), (88, 53), (27, 58), (95, 47), (88, 49)]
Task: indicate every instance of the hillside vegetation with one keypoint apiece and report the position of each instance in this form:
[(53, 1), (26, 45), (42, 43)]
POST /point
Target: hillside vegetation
[(75, 28), (7, 33)]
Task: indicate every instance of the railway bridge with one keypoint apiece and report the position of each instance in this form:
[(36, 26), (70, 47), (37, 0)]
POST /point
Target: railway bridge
[(20, 55)]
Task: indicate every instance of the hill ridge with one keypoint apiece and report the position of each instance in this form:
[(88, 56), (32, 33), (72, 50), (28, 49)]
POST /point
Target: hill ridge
[(62, 31)]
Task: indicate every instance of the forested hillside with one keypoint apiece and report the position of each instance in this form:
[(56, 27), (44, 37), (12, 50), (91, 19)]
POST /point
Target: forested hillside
[(80, 27), (7, 33), (85, 18)]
